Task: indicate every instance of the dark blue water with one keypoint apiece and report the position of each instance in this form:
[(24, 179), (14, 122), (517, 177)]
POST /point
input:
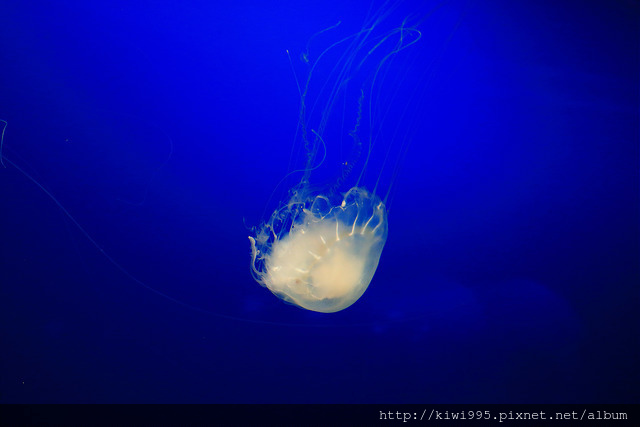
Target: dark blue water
[(144, 140)]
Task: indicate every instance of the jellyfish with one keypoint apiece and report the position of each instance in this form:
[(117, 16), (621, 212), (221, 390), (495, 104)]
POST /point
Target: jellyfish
[(320, 248)]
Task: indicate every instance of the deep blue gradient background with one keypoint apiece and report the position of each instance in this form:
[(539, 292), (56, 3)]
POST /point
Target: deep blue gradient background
[(511, 269)]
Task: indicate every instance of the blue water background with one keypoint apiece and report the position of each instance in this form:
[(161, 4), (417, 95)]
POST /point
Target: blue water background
[(511, 271)]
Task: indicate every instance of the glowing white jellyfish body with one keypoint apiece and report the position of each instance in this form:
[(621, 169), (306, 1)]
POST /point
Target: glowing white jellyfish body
[(327, 260), (321, 248)]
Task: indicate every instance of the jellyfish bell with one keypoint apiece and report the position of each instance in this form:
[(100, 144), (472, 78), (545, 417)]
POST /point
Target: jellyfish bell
[(319, 250), (328, 257)]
